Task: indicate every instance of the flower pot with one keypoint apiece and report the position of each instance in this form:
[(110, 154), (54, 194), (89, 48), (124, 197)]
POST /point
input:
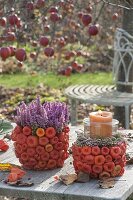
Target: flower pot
[(100, 162), (40, 149)]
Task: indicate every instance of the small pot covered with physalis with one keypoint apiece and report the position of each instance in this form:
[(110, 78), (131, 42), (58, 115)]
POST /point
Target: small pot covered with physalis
[(100, 150)]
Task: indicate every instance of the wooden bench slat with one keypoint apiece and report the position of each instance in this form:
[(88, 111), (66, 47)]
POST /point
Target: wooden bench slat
[(98, 94)]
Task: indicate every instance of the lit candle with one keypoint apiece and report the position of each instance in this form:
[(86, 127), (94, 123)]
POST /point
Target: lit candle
[(100, 124)]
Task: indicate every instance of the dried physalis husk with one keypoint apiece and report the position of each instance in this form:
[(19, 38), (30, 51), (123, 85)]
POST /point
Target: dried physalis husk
[(68, 179), (107, 183)]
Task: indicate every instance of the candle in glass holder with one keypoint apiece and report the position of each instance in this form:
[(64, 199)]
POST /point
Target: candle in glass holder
[(100, 124)]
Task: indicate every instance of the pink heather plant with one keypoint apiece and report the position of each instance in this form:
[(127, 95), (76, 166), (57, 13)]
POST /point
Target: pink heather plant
[(49, 114)]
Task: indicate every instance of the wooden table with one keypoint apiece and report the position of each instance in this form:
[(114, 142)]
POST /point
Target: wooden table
[(46, 188)]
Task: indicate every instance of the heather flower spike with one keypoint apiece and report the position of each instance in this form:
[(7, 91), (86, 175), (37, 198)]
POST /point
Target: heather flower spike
[(49, 114)]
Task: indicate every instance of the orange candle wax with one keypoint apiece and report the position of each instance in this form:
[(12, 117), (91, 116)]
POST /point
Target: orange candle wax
[(100, 124)]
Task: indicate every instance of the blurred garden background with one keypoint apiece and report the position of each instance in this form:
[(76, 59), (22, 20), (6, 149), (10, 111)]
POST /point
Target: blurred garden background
[(46, 46)]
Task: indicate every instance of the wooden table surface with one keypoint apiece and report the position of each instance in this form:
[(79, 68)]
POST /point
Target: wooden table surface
[(46, 188)]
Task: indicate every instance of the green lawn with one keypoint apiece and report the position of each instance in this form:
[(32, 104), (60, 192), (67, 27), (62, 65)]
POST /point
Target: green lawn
[(54, 81)]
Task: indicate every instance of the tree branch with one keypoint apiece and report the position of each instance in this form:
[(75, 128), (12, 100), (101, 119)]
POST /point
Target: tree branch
[(118, 5)]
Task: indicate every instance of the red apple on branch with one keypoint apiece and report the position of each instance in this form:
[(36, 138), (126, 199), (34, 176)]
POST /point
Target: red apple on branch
[(20, 55), (44, 41), (68, 71), (13, 19), (54, 17), (40, 3), (86, 19), (30, 5), (5, 52), (49, 51), (93, 29), (3, 21)]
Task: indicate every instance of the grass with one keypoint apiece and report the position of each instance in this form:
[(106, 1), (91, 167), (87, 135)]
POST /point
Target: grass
[(55, 81)]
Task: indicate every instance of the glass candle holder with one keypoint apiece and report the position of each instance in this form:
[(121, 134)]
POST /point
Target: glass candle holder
[(87, 131)]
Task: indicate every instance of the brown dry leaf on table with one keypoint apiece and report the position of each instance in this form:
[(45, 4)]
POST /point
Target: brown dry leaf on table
[(107, 183), (7, 136), (129, 161), (20, 183), (83, 177), (68, 179)]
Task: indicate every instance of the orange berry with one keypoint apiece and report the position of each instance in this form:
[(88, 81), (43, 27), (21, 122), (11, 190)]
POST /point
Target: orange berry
[(32, 141), (24, 146), (51, 164), (95, 150), (40, 132), (18, 129), (109, 166), (54, 140), (115, 151), (48, 147), (21, 138), (18, 148), (105, 151), (59, 146), (37, 156), (32, 162), (89, 159), (54, 154), (42, 164), (50, 132), (31, 151), (27, 130), (97, 169), (45, 156), (78, 150), (79, 165), (43, 141), (99, 160), (108, 158), (40, 150), (24, 156), (86, 150), (86, 168)]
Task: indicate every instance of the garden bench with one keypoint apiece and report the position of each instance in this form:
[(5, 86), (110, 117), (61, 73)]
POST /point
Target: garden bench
[(45, 187), (107, 95)]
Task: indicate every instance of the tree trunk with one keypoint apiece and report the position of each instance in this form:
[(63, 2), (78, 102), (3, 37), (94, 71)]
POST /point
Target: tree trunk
[(127, 25)]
